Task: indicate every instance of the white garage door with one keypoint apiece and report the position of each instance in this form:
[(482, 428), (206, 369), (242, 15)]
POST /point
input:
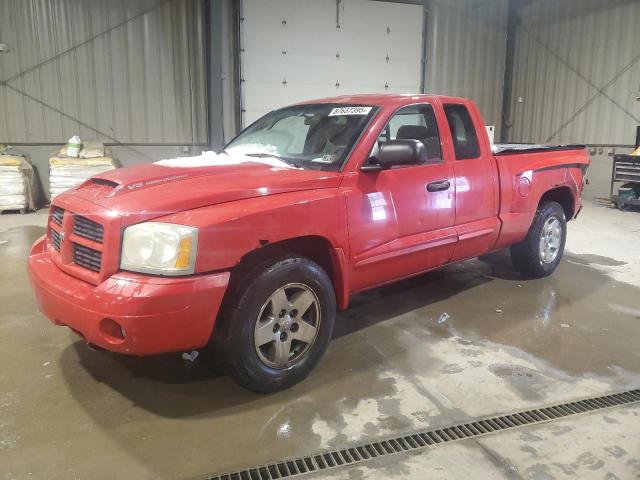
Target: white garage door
[(292, 50)]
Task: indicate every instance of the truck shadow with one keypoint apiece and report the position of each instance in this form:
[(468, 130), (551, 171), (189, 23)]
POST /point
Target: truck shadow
[(396, 299), (154, 383), (551, 319)]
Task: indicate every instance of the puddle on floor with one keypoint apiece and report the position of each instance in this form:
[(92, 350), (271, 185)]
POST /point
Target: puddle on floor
[(579, 320), (589, 259)]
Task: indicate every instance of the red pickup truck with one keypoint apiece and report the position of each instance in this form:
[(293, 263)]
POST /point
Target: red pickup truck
[(251, 251)]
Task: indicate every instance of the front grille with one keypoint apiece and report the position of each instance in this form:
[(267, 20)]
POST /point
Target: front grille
[(55, 239), (87, 257), (83, 227), (57, 215)]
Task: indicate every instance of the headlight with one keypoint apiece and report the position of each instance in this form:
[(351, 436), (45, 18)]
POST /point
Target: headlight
[(160, 248)]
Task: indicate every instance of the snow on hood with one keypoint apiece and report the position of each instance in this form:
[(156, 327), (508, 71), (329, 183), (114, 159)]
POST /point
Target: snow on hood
[(212, 159)]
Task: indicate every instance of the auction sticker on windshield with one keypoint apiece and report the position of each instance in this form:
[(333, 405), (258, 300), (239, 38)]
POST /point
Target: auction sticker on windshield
[(350, 111)]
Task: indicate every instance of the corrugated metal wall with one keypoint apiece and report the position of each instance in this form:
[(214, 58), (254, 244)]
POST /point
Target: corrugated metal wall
[(577, 72), (466, 52), (115, 70)]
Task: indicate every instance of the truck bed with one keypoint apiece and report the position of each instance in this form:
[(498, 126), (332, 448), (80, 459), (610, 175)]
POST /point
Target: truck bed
[(508, 148)]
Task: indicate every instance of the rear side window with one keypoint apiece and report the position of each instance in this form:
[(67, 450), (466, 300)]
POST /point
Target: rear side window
[(465, 140)]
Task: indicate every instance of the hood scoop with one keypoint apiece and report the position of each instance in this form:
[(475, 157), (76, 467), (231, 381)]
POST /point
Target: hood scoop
[(96, 188), (104, 182)]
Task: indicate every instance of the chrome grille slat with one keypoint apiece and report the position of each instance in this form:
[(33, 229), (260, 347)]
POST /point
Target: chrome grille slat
[(57, 214), (83, 227), (55, 239), (87, 257)]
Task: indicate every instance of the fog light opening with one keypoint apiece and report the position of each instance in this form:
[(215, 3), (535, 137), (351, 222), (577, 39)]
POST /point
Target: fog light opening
[(112, 331)]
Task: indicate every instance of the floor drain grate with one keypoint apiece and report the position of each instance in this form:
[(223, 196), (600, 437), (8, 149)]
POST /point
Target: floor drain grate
[(422, 439)]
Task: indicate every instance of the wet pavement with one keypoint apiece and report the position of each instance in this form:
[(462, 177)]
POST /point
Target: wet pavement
[(597, 446), (396, 364)]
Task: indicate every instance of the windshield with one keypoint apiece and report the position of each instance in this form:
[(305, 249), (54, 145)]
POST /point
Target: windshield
[(314, 136)]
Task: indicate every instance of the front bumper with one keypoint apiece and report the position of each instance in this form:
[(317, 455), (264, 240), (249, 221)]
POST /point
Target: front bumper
[(129, 313)]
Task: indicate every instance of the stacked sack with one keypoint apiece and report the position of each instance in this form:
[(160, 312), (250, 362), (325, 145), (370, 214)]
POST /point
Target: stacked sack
[(16, 182), (66, 172)]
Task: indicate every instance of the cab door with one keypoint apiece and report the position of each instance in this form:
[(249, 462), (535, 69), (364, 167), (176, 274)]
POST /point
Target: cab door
[(401, 220), (476, 179)]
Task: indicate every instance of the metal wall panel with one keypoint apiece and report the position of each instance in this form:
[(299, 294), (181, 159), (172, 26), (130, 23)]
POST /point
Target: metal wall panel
[(577, 72), (466, 52), (114, 70)]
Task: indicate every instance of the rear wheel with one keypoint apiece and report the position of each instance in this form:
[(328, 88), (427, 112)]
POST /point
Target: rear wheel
[(274, 329), (540, 252)]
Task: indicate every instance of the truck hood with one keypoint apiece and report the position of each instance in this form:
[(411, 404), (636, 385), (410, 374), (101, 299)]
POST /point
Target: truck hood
[(153, 190)]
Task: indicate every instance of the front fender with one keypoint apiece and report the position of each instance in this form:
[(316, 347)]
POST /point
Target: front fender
[(229, 231)]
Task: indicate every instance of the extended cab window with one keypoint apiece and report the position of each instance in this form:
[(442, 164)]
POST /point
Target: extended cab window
[(465, 140), (416, 122)]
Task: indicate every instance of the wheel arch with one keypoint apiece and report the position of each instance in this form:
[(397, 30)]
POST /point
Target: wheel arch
[(314, 247), (562, 195)]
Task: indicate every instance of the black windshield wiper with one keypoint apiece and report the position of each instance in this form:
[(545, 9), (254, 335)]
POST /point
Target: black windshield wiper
[(272, 155)]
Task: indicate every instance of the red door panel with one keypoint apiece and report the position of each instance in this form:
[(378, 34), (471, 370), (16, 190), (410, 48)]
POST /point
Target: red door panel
[(396, 226), (477, 220), (476, 179)]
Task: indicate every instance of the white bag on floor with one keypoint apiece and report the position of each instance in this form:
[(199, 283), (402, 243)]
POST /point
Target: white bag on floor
[(92, 150), (16, 183), (66, 172)]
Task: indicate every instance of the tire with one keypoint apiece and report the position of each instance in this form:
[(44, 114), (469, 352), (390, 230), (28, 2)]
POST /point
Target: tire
[(529, 257), (252, 315)]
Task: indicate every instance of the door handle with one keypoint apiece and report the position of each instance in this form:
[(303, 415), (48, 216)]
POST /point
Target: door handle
[(438, 186)]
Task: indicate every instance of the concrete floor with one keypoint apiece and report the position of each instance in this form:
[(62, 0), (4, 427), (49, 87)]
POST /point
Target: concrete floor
[(509, 343)]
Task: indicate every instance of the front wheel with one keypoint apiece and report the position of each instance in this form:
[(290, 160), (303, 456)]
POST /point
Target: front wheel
[(274, 329), (540, 252)]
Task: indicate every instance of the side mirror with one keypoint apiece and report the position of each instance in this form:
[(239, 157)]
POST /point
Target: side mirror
[(397, 152)]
